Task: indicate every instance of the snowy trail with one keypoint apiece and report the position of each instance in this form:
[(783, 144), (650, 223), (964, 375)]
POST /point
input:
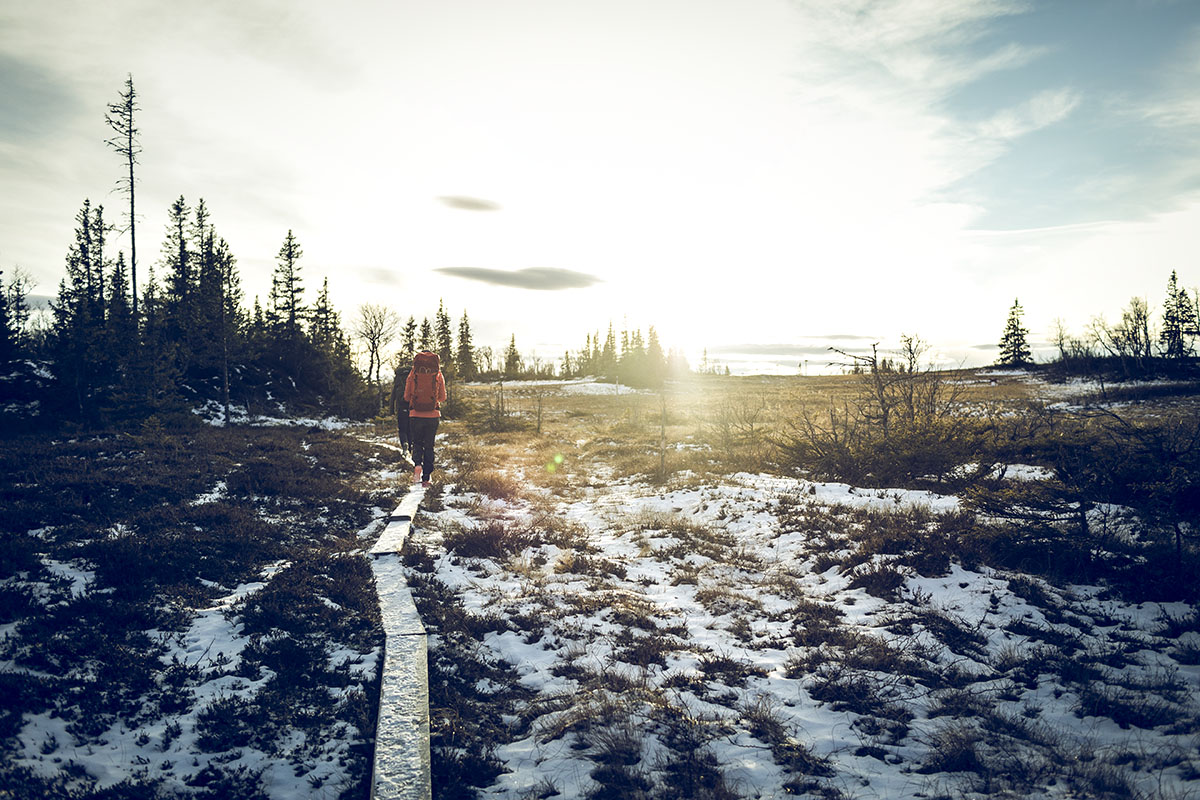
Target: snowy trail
[(402, 766)]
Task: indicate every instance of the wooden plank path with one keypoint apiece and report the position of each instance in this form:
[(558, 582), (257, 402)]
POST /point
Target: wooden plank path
[(401, 770)]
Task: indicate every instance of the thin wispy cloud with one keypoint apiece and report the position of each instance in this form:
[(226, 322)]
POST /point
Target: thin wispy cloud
[(1043, 109), (1175, 105), (463, 203), (820, 347), (537, 278)]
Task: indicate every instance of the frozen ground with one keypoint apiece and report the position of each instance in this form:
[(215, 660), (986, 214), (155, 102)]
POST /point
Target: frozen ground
[(744, 633)]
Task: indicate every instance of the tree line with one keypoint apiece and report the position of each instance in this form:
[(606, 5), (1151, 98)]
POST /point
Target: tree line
[(187, 335), (115, 348), (632, 358), (1133, 346)]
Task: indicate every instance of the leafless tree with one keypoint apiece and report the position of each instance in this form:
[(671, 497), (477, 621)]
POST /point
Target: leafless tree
[(377, 326), (125, 143), (1130, 340), (485, 355)]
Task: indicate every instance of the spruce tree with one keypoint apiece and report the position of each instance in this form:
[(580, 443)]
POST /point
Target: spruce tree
[(445, 339), (1014, 347), (16, 297), (120, 327), (607, 365), (465, 357), (323, 324), (512, 359), (76, 332), (287, 288), (656, 360), (177, 259), (157, 363), (206, 337), (425, 342), (178, 317), (408, 342), (1179, 322), (8, 337)]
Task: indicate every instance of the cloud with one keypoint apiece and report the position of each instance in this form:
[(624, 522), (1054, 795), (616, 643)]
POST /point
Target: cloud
[(380, 275), (469, 203), (820, 347), (1042, 110), (540, 278)]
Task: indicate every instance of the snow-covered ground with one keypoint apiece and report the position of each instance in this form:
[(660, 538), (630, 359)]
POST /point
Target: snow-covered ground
[(721, 610), (216, 702)]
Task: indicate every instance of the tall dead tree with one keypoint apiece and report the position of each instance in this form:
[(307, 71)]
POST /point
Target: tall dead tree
[(125, 143)]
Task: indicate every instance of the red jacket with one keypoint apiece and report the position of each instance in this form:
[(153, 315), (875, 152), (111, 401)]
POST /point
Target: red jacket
[(410, 387)]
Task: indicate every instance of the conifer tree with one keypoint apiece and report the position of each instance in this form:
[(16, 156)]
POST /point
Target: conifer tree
[(206, 340), (408, 342), (8, 337), (120, 119), (16, 297), (178, 318), (156, 366), (445, 339), (608, 355), (287, 288), (656, 361), (177, 259), (512, 359), (96, 294), (75, 330), (323, 323), (229, 320), (1014, 347), (1179, 322), (465, 357), (120, 327), (425, 342), (583, 364)]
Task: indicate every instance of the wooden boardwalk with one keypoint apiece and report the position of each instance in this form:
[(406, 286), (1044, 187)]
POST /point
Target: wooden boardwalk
[(401, 770)]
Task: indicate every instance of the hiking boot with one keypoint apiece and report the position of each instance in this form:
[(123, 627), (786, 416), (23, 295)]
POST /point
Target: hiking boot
[(417, 474), (426, 484)]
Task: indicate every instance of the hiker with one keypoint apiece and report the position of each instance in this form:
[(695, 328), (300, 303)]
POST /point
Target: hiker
[(424, 390), (400, 407)]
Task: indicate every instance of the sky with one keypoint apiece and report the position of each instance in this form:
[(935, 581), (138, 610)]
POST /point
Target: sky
[(758, 178)]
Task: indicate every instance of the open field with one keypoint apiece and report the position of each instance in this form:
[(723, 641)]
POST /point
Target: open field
[(633, 594), (644, 600)]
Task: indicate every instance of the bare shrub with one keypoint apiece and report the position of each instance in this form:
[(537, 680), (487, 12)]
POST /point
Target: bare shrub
[(493, 539), (954, 747), (879, 580), (729, 670), (689, 765), (490, 482), (904, 425)]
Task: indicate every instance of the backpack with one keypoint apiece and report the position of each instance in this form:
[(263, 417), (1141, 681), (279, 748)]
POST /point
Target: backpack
[(424, 373)]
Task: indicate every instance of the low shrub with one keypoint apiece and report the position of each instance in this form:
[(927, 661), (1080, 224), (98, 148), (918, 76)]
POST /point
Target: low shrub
[(493, 539)]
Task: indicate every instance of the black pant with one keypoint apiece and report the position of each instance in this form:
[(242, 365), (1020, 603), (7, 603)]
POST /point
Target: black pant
[(402, 429), (423, 430)]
